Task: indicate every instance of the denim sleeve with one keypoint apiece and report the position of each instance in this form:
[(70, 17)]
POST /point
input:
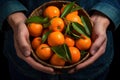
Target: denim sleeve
[(8, 7), (111, 8)]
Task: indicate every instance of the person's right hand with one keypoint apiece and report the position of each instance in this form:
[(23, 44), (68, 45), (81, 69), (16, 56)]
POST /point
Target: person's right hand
[(22, 43)]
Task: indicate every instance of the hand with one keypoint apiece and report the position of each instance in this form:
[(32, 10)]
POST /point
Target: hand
[(22, 43), (99, 38)]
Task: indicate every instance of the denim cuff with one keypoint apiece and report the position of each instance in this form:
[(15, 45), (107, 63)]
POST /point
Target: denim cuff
[(110, 11), (8, 8)]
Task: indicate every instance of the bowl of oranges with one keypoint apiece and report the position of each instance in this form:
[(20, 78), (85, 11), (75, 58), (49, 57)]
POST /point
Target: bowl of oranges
[(60, 34)]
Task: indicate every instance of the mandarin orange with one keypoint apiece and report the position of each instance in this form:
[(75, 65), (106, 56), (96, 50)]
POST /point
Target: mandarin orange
[(75, 54), (56, 60), (44, 52), (73, 18), (51, 11), (36, 42), (55, 38), (83, 43), (56, 24), (69, 41), (35, 29)]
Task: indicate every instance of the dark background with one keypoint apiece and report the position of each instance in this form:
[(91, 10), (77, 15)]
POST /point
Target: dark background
[(114, 68), (4, 72)]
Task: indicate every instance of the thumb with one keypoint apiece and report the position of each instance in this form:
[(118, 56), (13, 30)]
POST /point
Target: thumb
[(24, 42), (96, 45), (25, 49)]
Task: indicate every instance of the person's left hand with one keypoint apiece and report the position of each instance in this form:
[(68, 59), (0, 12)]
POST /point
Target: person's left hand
[(99, 40)]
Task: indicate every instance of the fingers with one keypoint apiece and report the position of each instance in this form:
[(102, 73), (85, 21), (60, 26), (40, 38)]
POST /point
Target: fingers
[(22, 40), (91, 60), (38, 66), (33, 63), (97, 44), (24, 46), (73, 70)]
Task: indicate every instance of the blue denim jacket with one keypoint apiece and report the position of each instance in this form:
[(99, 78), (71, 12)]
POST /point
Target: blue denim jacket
[(111, 8)]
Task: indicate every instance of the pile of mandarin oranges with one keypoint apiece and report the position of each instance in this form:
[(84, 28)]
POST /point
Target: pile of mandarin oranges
[(56, 39)]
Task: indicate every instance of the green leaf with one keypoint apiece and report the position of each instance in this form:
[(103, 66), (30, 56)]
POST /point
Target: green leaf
[(83, 53), (79, 28), (87, 24), (45, 36), (62, 51), (67, 51), (37, 19), (67, 31), (75, 8), (59, 50), (75, 36), (46, 25), (67, 9)]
